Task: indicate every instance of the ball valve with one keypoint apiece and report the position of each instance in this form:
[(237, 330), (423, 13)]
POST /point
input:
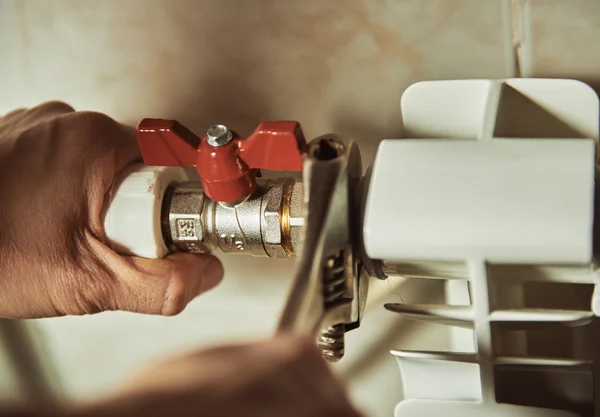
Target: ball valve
[(226, 163), (155, 209)]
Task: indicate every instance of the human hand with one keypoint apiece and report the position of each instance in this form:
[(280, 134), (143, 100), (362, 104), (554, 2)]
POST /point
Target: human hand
[(285, 376), (56, 168)]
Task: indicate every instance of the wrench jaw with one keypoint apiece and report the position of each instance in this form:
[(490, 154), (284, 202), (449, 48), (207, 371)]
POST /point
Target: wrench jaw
[(329, 291)]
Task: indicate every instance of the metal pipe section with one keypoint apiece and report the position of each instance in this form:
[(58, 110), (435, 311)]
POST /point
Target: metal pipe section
[(268, 223)]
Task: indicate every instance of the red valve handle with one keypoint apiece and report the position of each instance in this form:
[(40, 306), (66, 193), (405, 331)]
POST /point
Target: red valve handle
[(228, 172)]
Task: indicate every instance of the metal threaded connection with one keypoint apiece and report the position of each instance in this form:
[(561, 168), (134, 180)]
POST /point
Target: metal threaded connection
[(331, 343)]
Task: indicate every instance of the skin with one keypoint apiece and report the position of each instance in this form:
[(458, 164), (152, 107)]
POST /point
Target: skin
[(57, 167)]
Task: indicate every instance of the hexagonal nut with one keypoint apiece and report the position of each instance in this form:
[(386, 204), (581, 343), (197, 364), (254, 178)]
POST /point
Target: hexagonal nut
[(297, 218), (185, 218), (283, 198), (271, 225)]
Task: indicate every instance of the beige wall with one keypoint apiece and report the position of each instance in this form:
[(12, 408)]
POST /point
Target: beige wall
[(337, 65)]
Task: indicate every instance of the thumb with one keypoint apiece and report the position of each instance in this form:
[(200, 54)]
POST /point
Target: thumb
[(164, 286)]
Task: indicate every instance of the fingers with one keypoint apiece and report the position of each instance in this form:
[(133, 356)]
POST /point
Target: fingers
[(281, 376), (12, 115), (157, 286), (44, 110), (163, 286), (281, 371), (103, 137), (128, 148), (93, 134), (22, 119), (117, 137), (48, 110), (40, 113)]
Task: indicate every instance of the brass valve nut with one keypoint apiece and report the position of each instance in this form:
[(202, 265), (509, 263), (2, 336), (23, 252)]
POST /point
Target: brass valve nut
[(296, 218), (282, 218)]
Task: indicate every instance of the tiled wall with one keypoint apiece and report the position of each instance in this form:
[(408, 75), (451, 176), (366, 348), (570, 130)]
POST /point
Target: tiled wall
[(338, 65)]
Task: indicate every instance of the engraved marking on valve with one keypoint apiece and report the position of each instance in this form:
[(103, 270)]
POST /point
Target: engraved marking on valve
[(232, 240), (186, 228), (192, 247)]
